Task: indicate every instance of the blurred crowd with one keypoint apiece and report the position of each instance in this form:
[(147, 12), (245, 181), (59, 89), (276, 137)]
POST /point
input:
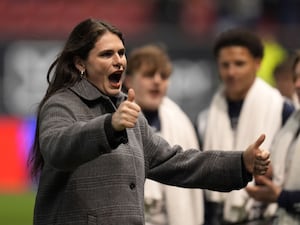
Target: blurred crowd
[(197, 18), (183, 34)]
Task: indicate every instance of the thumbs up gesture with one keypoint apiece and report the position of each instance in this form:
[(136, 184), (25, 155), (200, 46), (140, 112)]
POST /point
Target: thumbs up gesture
[(255, 159), (127, 113)]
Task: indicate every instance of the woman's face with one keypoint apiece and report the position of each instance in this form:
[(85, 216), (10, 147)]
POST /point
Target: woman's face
[(106, 64)]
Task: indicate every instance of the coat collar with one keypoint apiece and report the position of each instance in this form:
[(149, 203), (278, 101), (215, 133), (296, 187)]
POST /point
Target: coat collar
[(90, 92)]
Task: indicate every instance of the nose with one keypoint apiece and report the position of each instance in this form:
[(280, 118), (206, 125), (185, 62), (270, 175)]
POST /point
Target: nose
[(118, 65), (117, 61), (231, 69), (157, 77)]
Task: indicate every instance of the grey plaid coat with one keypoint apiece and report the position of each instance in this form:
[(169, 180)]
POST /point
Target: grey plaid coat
[(86, 180)]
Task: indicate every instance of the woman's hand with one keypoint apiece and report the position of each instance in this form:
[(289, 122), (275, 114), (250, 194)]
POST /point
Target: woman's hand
[(255, 159), (126, 114)]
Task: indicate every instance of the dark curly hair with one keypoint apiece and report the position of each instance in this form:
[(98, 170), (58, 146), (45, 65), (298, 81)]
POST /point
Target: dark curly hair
[(239, 37)]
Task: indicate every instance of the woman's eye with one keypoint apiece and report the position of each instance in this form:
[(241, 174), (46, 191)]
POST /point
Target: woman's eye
[(122, 52), (106, 54)]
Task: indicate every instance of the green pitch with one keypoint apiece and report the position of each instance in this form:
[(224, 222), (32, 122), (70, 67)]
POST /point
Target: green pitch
[(16, 209)]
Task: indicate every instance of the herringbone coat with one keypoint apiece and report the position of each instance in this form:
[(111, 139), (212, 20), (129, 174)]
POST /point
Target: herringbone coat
[(86, 181)]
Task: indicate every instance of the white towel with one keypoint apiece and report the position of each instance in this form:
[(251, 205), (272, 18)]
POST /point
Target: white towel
[(184, 206), (285, 155)]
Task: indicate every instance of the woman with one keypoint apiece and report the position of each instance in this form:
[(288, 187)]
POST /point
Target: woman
[(93, 148)]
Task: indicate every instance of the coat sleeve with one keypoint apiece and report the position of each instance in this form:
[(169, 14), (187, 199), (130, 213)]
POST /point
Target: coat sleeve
[(66, 142), (213, 170)]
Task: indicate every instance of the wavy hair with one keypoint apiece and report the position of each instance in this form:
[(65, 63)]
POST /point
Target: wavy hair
[(62, 73)]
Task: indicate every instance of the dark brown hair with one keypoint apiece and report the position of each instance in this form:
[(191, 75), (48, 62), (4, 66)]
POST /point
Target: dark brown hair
[(239, 37), (62, 72)]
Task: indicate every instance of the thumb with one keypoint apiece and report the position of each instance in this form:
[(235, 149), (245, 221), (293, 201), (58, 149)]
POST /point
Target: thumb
[(131, 95), (259, 141)]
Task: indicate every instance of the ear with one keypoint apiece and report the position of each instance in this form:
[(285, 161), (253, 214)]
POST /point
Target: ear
[(257, 63), (79, 63)]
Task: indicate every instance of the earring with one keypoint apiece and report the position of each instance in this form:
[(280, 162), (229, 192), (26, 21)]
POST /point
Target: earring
[(82, 74)]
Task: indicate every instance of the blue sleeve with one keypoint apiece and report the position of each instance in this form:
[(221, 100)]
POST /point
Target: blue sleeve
[(287, 110), (290, 201)]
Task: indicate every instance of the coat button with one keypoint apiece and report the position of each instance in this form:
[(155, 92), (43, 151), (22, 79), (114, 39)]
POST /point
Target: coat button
[(132, 186)]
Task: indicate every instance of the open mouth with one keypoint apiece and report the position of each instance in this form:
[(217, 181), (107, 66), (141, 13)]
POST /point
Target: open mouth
[(154, 93), (115, 79)]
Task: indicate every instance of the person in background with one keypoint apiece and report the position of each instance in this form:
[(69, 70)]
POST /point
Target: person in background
[(283, 76), (274, 53), (242, 107), (148, 74), (93, 149), (284, 185)]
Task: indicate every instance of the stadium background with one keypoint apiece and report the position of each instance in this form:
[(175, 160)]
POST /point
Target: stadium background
[(32, 32)]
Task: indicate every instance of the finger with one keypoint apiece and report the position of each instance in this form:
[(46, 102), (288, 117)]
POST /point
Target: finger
[(262, 171), (132, 117), (133, 106), (131, 95), (258, 170), (263, 155), (259, 141), (262, 162), (252, 190), (265, 180)]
